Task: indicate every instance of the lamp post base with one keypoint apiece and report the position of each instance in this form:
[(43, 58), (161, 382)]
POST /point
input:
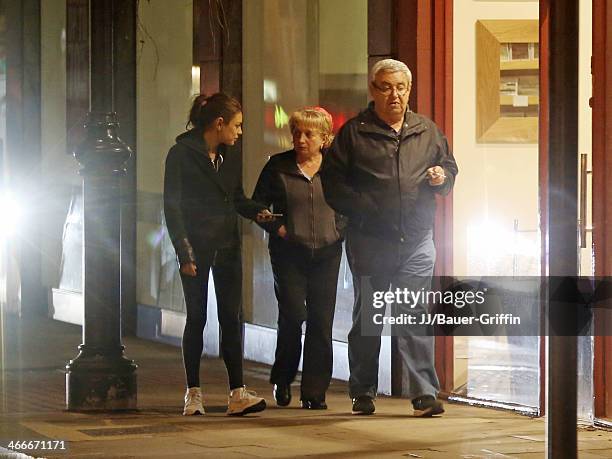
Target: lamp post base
[(101, 382)]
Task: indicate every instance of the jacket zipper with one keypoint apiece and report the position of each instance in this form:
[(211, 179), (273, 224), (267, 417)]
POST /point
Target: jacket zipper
[(399, 186), (312, 220)]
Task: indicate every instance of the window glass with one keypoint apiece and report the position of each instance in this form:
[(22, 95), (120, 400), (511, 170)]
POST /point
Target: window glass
[(164, 91), (495, 202), (296, 53)]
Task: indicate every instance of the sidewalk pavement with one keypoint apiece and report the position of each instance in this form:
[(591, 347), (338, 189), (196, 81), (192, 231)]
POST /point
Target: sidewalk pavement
[(35, 351)]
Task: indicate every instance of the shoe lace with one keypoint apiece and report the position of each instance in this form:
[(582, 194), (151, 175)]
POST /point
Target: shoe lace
[(245, 393), (194, 397)]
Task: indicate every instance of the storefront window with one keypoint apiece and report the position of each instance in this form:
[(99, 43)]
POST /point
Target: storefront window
[(495, 202), (164, 91)]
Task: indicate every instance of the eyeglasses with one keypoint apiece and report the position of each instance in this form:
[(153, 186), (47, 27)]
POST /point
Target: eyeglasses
[(401, 90)]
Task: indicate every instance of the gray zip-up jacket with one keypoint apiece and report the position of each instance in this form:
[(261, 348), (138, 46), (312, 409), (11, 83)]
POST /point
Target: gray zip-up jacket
[(378, 177), (309, 220)]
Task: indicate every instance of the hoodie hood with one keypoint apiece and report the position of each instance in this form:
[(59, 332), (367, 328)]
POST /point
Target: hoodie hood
[(193, 139)]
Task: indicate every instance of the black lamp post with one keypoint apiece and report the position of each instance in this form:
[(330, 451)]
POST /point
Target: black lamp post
[(101, 377)]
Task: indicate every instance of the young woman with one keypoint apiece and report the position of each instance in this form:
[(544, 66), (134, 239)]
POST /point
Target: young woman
[(202, 193), (305, 251)]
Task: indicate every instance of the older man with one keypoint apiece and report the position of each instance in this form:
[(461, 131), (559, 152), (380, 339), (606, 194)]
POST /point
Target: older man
[(383, 171)]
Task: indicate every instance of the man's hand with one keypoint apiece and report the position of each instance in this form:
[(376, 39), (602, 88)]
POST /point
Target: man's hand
[(189, 269), (282, 232), (436, 176)]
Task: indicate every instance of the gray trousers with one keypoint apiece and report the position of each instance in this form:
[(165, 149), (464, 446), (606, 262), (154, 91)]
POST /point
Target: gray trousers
[(380, 265)]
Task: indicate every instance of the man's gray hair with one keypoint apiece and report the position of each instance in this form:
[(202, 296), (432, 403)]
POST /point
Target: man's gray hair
[(390, 65)]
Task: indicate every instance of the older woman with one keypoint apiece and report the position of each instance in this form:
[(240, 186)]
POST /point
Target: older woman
[(202, 193), (305, 250)]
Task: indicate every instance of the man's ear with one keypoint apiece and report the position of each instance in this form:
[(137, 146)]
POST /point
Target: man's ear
[(371, 88)]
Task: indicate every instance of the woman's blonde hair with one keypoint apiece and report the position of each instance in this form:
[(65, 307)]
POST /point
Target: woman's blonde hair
[(313, 118)]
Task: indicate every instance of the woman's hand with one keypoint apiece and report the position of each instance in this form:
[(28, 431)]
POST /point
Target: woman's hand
[(282, 232), (264, 216), (189, 269)]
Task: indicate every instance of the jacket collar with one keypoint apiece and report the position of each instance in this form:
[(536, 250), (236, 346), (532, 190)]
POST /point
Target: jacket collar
[(198, 149), (288, 163), (370, 122)]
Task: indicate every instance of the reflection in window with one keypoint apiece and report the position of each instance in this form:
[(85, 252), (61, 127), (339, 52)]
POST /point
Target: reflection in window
[(519, 85)]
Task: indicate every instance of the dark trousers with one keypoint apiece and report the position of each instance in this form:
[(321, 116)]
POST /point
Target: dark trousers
[(227, 273), (305, 283), (380, 265)]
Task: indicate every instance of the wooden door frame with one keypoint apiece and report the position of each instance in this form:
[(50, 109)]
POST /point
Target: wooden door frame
[(601, 103), (543, 180), (424, 41), (602, 187)]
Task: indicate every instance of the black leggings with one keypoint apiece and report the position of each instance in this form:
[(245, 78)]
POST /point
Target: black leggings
[(227, 273)]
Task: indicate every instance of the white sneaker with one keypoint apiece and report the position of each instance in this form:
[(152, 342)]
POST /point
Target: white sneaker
[(193, 402), (242, 401)]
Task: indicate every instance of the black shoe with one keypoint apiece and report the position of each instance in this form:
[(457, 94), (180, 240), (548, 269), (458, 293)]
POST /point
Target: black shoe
[(314, 404), (426, 406), (282, 394), (363, 404)]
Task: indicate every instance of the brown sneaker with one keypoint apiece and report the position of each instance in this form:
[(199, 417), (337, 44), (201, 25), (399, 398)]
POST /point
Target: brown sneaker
[(242, 401)]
